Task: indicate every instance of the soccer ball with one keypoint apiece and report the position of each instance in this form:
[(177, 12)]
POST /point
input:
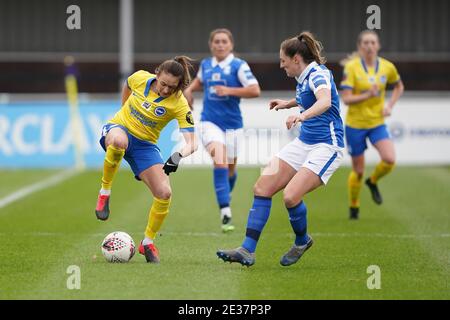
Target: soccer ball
[(118, 247)]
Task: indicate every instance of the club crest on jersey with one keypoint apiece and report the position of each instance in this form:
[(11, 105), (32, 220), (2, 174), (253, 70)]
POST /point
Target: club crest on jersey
[(383, 79), (159, 111), (146, 104), (215, 76)]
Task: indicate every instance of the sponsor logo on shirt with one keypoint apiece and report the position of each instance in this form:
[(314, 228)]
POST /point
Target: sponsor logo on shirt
[(146, 104)]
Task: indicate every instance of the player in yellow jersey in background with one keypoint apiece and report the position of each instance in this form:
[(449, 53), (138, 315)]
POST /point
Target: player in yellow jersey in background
[(366, 76), (149, 102)]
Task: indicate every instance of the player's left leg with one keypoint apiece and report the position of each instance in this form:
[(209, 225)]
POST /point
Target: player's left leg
[(114, 141), (218, 153), (321, 162), (233, 139), (158, 183), (356, 144), (385, 148), (274, 177), (303, 182)]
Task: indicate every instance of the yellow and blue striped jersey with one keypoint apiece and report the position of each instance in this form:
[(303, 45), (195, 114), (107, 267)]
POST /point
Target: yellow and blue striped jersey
[(360, 78), (145, 113)]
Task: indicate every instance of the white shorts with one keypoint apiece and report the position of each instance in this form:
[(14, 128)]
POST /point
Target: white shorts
[(209, 132), (321, 158)]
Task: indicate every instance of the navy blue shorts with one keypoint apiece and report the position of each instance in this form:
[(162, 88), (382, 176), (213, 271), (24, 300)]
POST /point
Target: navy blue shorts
[(356, 139), (140, 154)]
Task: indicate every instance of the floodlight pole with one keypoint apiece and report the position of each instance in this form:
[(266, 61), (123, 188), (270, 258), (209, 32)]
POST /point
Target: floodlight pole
[(126, 40)]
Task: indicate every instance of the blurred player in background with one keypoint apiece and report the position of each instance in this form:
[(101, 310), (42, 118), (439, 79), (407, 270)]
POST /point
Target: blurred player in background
[(363, 89), (225, 79), (307, 162), (149, 102)]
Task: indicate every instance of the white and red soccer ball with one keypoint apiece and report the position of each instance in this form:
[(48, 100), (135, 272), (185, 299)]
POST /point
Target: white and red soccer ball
[(118, 246)]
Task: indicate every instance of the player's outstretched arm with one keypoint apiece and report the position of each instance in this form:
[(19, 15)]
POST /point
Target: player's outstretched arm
[(252, 91), (171, 165), (278, 104), (191, 144)]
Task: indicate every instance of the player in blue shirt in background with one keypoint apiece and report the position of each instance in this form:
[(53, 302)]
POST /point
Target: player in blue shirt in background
[(224, 79), (308, 161)]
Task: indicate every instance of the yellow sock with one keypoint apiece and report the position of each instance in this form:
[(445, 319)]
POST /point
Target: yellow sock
[(158, 212), (354, 187), (381, 170), (111, 164)]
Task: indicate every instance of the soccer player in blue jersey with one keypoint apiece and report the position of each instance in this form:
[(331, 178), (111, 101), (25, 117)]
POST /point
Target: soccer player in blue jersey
[(224, 79), (308, 161), (149, 102)]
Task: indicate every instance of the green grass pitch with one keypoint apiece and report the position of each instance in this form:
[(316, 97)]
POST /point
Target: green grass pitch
[(408, 237)]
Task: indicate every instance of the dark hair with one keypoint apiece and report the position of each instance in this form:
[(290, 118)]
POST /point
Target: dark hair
[(221, 30), (306, 45), (178, 67)]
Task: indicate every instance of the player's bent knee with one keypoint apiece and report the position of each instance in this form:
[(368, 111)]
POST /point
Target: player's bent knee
[(261, 191), (163, 193), (389, 160), (118, 142), (290, 199), (220, 165)]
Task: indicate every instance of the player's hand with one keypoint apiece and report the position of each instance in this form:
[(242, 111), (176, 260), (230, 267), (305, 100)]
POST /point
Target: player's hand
[(374, 91), (278, 104), (293, 120), (171, 164), (387, 111), (222, 91)]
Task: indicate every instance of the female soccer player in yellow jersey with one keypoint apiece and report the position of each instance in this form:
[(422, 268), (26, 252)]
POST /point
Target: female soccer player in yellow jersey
[(366, 76), (149, 102)]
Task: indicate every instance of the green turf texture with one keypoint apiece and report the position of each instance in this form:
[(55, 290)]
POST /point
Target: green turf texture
[(408, 237)]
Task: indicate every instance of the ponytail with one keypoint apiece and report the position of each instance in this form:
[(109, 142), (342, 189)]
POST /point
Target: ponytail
[(306, 45), (178, 67)]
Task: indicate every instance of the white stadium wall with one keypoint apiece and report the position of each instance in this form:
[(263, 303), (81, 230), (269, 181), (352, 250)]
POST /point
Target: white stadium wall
[(419, 126), (39, 134)]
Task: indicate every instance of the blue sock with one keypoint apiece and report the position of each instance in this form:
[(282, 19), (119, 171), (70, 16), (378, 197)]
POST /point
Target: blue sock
[(232, 181), (222, 187), (257, 218), (297, 217)]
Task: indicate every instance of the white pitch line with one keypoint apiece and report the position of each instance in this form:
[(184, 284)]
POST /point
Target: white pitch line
[(47, 183)]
